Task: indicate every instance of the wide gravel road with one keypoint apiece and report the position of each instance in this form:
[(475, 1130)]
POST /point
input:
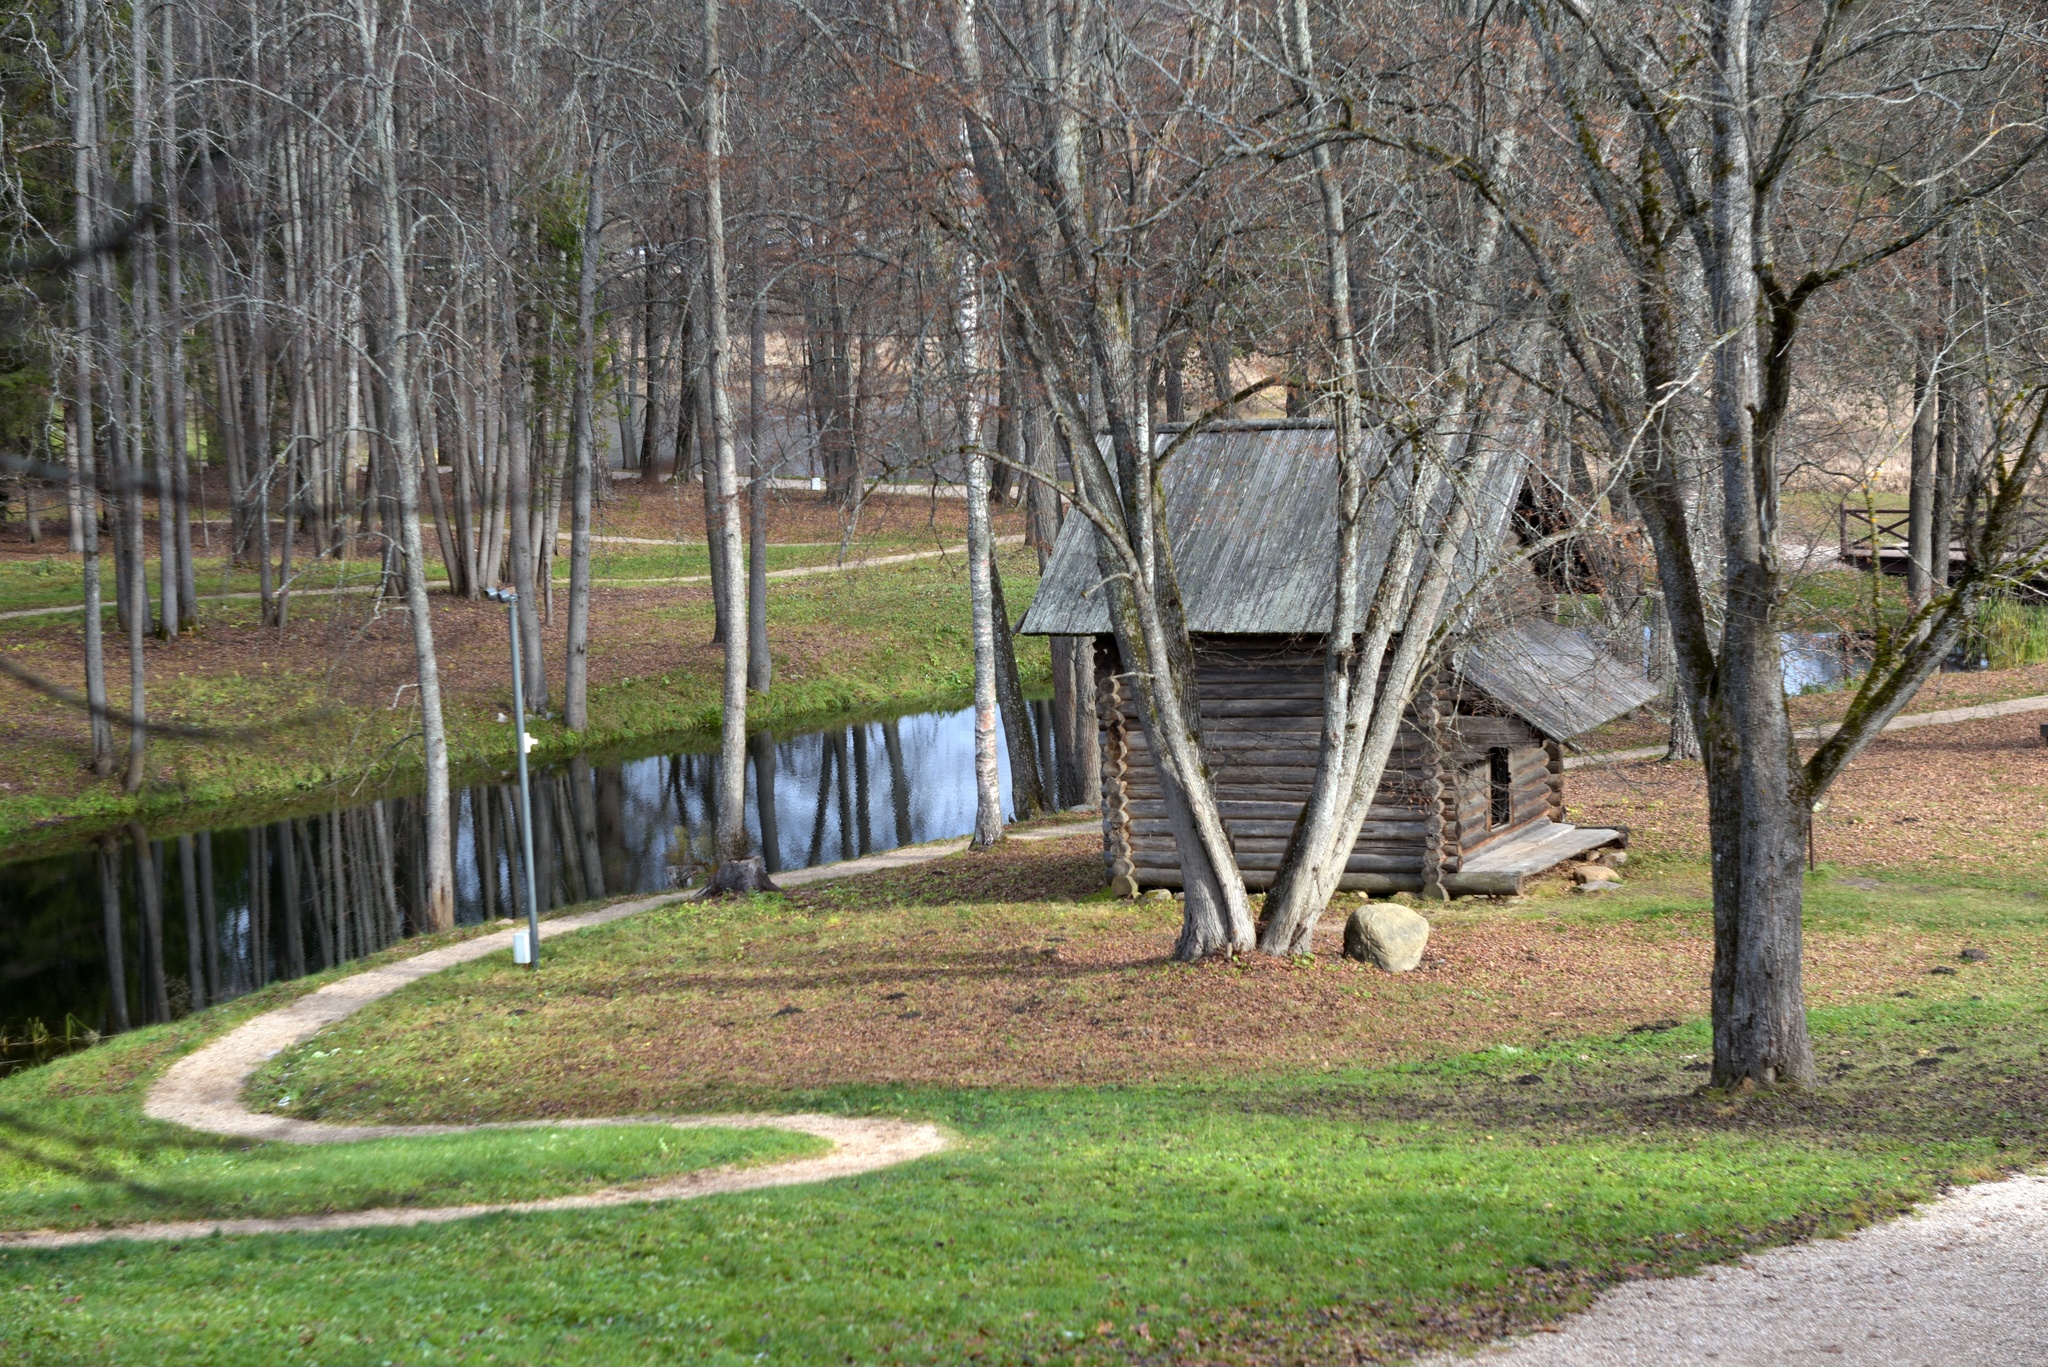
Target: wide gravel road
[(1963, 1283)]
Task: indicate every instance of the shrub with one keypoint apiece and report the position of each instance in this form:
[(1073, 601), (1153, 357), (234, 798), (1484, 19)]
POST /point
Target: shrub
[(2009, 634)]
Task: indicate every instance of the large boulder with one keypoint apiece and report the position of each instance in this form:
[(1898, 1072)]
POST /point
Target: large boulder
[(1387, 934)]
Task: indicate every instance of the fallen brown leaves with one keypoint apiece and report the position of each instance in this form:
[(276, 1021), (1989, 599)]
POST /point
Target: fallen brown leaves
[(939, 976), (1973, 795)]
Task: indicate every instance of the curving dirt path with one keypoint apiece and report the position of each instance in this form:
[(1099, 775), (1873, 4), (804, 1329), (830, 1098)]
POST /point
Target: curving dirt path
[(203, 1091)]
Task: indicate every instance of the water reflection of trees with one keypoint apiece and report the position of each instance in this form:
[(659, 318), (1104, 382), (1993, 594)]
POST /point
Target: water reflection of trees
[(138, 929)]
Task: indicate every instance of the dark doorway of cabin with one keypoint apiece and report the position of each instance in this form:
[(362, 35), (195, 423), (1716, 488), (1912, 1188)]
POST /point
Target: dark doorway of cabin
[(1501, 777)]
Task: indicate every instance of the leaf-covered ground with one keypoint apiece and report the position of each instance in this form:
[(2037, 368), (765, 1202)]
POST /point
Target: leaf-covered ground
[(1250, 1163), (1466, 1181)]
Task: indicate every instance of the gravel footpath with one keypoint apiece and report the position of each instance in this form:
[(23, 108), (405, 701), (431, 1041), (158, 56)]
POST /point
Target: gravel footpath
[(1960, 1284)]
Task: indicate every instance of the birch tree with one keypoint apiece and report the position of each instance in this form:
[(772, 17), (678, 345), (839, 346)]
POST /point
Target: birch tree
[(576, 675), (1383, 632), (737, 870), (380, 45), (1068, 282)]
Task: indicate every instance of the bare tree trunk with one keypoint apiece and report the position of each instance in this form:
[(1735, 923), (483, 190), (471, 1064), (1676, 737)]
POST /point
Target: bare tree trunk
[(1683, 742), (736, 872), (576, 677), (988, 799), (178, 492), (1135, 555), (1378, 647), (760, 665), (676, 362), (1758, 813), (149, 320), (1920, 548), (1948, 387), (447, 528), (514, 380), (438, 882), (87, 525), (136, 569), (1027, 786)]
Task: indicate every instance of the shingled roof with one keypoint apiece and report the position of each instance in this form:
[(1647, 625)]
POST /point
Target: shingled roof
[(1251, 508), (1555, 678)]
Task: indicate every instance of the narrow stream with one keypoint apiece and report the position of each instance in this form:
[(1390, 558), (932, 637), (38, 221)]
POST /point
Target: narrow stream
[(142, 929)]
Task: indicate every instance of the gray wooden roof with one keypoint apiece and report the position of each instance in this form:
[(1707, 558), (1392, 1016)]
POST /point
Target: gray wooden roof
[(1555, 678), (1251, 511)]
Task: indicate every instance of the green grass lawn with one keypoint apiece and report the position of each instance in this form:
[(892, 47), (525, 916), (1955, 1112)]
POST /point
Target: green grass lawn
[(1218, 1214), (886, 639), (76, 1150)]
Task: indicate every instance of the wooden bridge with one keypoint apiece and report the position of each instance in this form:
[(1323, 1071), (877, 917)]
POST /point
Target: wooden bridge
[(1877, 536)]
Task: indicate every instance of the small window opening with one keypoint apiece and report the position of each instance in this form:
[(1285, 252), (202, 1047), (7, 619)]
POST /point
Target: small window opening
[(1502, 776)]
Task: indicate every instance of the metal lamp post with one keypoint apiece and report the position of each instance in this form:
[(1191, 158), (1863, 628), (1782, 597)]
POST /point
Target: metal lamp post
[(531, 956)]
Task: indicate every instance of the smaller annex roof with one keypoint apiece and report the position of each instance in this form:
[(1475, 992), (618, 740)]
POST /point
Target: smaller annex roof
[(1251, 509), (1557, 679)]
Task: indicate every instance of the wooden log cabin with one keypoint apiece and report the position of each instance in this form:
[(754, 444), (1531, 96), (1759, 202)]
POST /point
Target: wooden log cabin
[(1472, 801)]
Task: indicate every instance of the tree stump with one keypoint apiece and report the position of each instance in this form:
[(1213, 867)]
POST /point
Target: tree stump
[(737, 878)]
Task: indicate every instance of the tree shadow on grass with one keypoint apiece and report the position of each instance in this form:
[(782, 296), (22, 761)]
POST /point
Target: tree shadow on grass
[(1013, 871), (1954, 1084)]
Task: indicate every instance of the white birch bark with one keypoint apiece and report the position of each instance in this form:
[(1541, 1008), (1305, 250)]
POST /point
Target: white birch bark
[(760, 664), (379, 71), (988, 795), (731, 835), (576, 676)]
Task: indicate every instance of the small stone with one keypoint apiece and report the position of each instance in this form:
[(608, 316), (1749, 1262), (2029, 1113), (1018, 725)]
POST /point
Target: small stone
[(1404, 899), (1944, 970), (1159, 895), (1594, 873), (1386, 934), (1612, 859), (1974, 956)]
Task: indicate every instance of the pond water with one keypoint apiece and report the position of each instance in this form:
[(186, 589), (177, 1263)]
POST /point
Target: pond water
[(143, 929), (1820, 661), (1812, 661)]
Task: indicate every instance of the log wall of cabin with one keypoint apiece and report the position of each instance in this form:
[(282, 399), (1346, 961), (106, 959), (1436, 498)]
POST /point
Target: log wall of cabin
[(1261, 710), (1534, 790), (1261, 714)]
